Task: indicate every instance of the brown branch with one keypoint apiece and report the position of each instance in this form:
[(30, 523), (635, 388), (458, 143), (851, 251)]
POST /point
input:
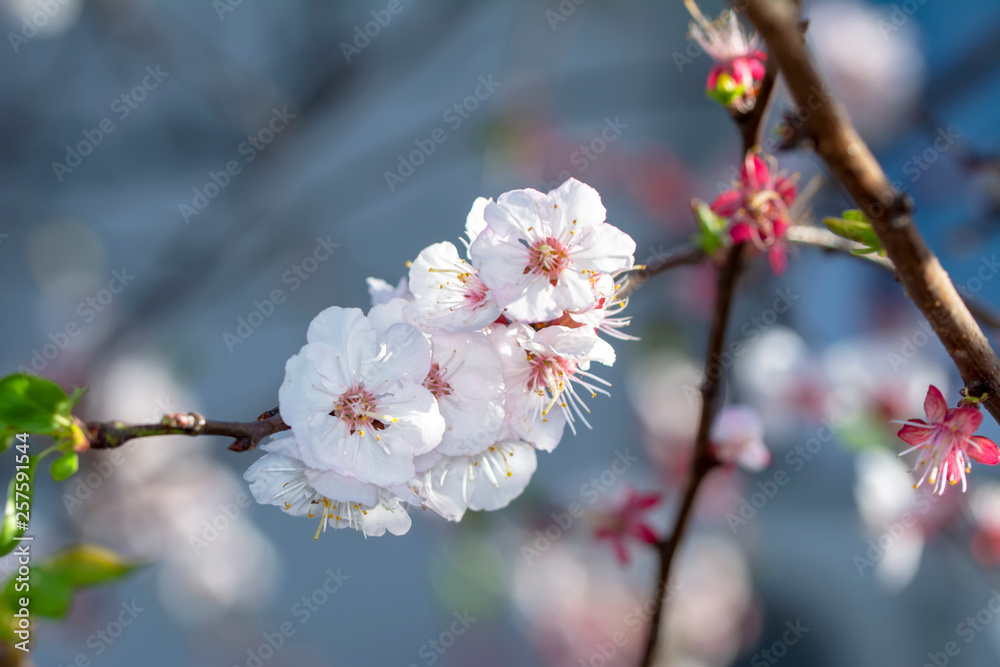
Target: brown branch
[(688, 254), (107, 435), (751, 123), (852, 163), (702, 460)]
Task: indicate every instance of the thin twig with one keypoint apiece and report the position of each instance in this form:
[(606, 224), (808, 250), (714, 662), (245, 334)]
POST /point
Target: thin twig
[(824, 238), (108, 435), (702, 460), (853, 165), (688, 254)]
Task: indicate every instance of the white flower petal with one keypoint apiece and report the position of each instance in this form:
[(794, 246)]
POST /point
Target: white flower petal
[(604, 248), (348, 332), (484, 482)]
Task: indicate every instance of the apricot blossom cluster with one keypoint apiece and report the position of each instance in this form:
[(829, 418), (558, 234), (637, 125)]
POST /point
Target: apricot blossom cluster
[(442, 393)]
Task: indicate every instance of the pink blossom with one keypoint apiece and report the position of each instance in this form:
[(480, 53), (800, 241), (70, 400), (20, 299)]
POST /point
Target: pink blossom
[(628, 520), (947, 442), (758, 207), (738, 438), (739, 69)]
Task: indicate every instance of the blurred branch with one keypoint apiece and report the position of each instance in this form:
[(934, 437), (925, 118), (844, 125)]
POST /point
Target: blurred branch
[(750, 125), (111, 434), (852, 163), (702, 460)]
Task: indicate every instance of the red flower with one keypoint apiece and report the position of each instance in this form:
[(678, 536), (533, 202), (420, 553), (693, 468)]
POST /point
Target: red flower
[(628, 521), (758, 208), (947, 442)]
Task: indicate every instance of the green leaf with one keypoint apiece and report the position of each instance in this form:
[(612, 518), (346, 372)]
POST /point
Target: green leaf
[(49, 594), (32, 404), (7, 435), (9, 530), (53, 582), (75, 397), (711, 227), (89, 565), (854, 226), (65, 466)]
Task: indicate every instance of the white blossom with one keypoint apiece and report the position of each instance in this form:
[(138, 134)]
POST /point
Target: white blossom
[(540, 252), (355, 400)]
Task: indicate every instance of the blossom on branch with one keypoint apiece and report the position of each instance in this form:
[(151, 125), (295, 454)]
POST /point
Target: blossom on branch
[(442, 394), (736, 77), (758, 207), (946, 442), (541, 254)]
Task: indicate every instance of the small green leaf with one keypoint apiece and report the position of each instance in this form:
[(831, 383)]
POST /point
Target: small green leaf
[(854, 226), (18, 506), (32, 404), (49, 594), (711, 227), (65, 466), (88, 565), (75, 397)]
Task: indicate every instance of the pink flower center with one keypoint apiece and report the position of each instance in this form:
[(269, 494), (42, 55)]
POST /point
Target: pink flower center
[(549, 373), (475, 290), (436, 384), (355, 407), (548, 257)]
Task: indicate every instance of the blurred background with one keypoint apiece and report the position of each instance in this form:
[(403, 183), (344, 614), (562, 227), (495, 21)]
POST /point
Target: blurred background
[(167, 167)]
